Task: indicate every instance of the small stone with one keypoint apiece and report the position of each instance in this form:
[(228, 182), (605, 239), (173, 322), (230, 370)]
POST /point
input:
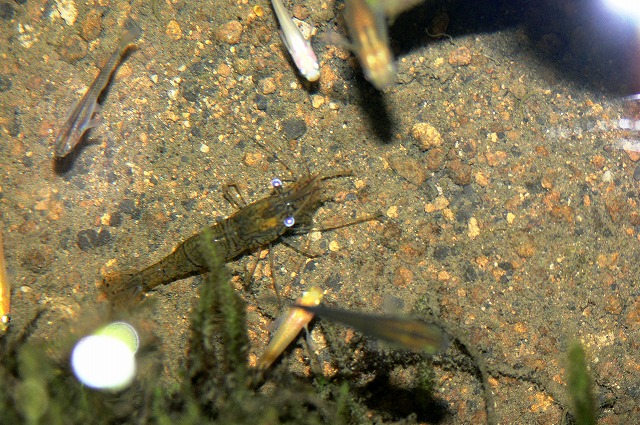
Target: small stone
[(294, 128), (261, 102), (91, 25), (173, 30), (229, 33), (481, 179), (38, 260), (439, 204), (253, 159), (526, 249), (613, 304), (86, 239), (73, 49), (427, 135), (317, 101), (474, 229), (334, 246), (127, 206), (460, 57), (392, 212), (408, 168), (435, 159), (68, 11), (115, 219), (403, 277), (6, 11), (636, 173), (267, 85), (5, 83), (204, 148), (460, 172), (104, 237)]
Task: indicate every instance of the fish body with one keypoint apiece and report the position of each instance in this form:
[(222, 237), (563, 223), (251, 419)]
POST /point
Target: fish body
[(5, 292), (291, 324), (299, 48), (407, 333), (370, 41), (80, 117)]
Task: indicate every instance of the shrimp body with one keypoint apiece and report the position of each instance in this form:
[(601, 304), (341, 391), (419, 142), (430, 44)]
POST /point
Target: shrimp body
[(252, 226)]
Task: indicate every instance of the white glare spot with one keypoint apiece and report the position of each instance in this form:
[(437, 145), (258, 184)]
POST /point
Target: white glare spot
[(627, 8), (103, 362)]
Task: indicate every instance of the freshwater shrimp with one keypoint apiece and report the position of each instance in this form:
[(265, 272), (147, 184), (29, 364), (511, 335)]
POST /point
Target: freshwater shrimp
[(254, 225)]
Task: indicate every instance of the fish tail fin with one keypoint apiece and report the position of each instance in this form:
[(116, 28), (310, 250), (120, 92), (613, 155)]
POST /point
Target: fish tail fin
[(133, 33)]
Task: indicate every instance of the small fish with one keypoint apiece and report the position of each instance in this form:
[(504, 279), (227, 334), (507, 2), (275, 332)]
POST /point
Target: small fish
[(365, 21), (5, 292), (291, 323), (80, 117), (299, 48), (406, 333)]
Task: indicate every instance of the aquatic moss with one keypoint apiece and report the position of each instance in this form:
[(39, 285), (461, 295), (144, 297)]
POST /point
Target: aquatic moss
[(579, 386)]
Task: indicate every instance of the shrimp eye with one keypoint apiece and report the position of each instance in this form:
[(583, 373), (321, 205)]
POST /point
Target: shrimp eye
[(276, 183), (289, 221)]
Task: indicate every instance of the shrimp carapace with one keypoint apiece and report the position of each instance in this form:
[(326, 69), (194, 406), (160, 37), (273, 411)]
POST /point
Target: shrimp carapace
[(252, 226)]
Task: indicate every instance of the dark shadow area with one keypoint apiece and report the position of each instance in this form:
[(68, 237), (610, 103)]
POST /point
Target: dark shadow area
[(64, 166), (381, 395), (580, 40), (374, 106)]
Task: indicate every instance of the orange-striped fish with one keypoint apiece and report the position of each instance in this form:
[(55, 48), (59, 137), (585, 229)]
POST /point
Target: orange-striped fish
[(291, 324), (365, 21), (80, 117), (5, 292), (403, 332)]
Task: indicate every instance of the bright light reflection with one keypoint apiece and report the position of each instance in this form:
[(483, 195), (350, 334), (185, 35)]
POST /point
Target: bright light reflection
[(627, 8), (103, 362)]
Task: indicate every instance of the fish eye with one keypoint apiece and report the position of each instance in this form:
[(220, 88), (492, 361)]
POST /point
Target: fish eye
[(276, 183), (289, 221)]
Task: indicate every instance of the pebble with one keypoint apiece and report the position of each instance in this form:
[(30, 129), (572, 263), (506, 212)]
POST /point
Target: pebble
[(334, 246), (229, 33), (6, 11), (38, 260), (408, 168), (403, 277), (474, 229), (88, 239), (252, 159), (460, 172), (317, 100), (434, 159), (91, 25), (5, 83), (636, 173), (460, 57), (439, 204), (294, 128), (173, 30), (427, 135), (267, 85), (261, 102), (73, 49)]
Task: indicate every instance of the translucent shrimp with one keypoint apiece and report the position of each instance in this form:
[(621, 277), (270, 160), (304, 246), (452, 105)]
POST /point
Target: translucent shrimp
[(252, 226)]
